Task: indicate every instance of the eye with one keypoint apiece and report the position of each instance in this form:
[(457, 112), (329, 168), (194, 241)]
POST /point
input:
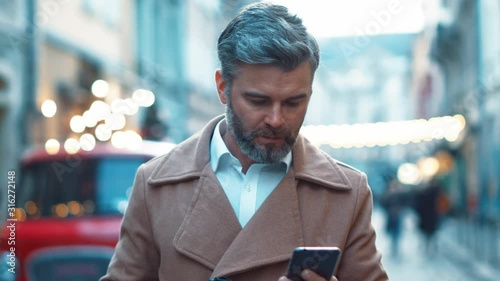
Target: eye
[(292, 103), (295, 102), (258, 102)]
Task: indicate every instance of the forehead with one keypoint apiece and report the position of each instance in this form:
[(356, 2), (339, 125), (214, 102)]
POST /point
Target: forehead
[(269, 79)]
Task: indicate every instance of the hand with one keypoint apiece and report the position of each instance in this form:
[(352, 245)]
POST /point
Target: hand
[(309, 276)]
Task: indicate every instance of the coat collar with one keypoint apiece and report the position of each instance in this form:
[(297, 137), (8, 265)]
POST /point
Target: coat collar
[(189, 158)]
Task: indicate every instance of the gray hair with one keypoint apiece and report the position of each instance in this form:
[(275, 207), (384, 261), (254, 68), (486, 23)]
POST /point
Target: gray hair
[(263, 33)]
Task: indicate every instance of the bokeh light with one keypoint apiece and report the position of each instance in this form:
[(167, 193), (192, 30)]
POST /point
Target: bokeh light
[(143, 97), (103, 132), (52, 146), (49, 108), (87, 142), (100, 88), (409, 173), (71, 146), (77, 124)]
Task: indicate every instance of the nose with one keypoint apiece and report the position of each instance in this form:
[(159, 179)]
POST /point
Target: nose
[(275, 117)]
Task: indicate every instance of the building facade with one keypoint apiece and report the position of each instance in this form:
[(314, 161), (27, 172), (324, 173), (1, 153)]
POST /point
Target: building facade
[(177, 55), (461, 48), (17, 31), (80, 43)]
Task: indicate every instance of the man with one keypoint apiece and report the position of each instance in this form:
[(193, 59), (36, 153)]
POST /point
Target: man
[(234, 200)]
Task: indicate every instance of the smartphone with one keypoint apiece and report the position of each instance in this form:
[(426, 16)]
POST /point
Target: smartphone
[(322, 260)]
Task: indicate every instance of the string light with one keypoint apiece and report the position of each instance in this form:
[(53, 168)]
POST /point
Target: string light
[(388, 133)]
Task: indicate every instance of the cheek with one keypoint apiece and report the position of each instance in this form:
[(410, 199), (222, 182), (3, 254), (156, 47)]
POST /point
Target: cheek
[(250, 119), (295, 114), (296, 120)]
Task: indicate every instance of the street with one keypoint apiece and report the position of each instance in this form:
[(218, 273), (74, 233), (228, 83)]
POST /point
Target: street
[(448, 263)]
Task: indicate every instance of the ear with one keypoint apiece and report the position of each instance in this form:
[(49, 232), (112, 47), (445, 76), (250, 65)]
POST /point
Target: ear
[(221, 86)]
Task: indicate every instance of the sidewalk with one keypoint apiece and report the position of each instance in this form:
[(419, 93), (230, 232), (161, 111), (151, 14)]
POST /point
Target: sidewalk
[(461, 256), (449, 263)]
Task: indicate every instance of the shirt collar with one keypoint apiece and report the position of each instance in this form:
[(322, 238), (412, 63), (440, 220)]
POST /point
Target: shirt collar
[(218, 149)]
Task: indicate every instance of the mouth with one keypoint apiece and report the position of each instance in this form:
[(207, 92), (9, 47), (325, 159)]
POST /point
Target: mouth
[(271, 139)]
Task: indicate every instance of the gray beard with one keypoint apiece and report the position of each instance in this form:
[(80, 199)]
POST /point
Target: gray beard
[(270, 153)]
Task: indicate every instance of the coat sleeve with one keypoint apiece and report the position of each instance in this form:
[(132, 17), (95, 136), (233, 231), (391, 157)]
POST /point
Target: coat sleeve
[(136, 255), (360, 259)]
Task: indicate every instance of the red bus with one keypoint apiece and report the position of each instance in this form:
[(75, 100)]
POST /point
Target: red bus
[(68, 210)]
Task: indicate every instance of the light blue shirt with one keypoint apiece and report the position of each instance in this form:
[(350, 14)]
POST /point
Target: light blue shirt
[(246, 192)]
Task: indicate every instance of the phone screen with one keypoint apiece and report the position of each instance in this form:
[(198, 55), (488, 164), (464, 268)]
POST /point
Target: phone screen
[(322, 260)]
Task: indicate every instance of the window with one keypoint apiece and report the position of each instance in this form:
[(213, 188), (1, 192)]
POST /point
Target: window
[(108, 11), (63, 189)]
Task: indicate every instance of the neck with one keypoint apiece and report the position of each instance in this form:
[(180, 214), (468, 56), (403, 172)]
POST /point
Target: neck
[(234, 148)]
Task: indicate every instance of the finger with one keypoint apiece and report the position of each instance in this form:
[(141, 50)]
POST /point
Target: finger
[(283, 278), (309, 275)]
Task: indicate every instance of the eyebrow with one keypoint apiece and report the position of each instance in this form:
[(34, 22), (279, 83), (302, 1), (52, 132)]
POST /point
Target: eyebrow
[(298, 97), (262, 96)]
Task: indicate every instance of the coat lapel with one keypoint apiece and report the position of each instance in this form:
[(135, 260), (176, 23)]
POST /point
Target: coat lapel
[(210, 224), (270, 235), (212, 235)]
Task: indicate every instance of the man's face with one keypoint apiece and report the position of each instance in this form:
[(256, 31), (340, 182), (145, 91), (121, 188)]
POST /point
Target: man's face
[(266, 108)]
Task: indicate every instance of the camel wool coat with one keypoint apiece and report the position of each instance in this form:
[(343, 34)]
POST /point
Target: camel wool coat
[(179, 224)]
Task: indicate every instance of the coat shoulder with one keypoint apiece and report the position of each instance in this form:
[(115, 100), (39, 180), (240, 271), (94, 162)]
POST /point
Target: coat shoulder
[(348, 169), (186, 160)]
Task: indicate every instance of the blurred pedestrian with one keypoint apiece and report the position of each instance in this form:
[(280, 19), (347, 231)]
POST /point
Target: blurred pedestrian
[(393, 202), (233, 201), (427, 208)]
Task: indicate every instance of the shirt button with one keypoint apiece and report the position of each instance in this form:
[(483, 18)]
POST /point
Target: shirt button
[(248, 188)]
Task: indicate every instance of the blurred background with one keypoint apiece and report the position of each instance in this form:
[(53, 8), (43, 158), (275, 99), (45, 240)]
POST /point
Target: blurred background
[(407, 91)]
